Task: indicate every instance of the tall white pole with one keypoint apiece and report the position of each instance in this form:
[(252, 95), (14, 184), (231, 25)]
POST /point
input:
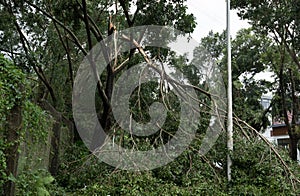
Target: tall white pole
[(229, 95)]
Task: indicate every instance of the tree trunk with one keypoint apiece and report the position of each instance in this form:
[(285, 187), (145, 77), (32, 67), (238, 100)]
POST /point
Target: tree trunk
[(294, 139), (106, 122), (293, 147), (14, 122), (105, 118), (56, 137), (54, 154), (295, 107)]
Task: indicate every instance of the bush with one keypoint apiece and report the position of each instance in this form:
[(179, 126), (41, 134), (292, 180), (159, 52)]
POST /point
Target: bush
[(256, 171)]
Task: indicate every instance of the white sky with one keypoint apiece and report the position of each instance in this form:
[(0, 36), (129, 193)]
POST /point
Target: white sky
[(211, 15)]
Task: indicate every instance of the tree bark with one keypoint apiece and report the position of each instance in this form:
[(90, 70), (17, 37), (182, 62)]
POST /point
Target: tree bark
[(294, 138), (54, 155), (14, 122), (56, 137), (293, 146)]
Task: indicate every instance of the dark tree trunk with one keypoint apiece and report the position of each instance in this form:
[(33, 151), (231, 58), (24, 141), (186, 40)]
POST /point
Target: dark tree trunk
[(294, 138), (293, 148), (290, 125), (55, 139), (14, 122), (54, 155), (105, 118)]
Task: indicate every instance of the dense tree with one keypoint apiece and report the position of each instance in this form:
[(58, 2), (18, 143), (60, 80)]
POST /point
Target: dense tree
[(249, 57), (279, 20), (51, 39)]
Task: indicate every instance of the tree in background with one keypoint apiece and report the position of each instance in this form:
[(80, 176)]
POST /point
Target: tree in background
[(249, 54), (279, 20)]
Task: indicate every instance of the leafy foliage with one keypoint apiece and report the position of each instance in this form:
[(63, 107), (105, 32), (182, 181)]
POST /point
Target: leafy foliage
[(35, 121), (10, 95), (250, 56), (256, 172), (34, 183), (279, 20)]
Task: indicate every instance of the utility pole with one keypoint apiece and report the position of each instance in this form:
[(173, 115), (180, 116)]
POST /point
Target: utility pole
[(229, 96)]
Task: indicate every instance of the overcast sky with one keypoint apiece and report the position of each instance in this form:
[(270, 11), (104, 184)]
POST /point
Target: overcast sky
[(211, 15)]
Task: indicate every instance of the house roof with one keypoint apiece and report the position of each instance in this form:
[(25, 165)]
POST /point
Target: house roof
[(278, 125)]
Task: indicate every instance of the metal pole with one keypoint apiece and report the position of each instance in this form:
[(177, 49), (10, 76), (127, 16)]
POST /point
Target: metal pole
[(229, 95)]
